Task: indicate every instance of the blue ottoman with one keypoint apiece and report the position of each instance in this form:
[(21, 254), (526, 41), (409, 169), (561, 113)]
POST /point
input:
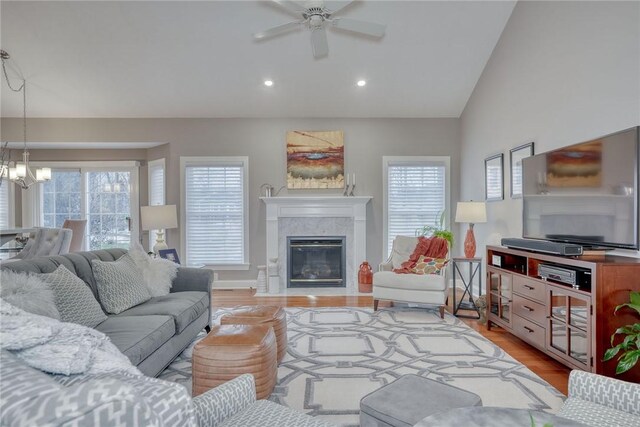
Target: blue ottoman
[(409, 399)]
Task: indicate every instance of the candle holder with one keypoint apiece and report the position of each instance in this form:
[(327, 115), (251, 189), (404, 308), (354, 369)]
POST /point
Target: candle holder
[(353, 187), (346, 190)]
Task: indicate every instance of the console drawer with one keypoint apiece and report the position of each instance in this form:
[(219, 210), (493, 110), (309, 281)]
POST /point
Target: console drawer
[(528, 309), (529, 288), (529, 331)]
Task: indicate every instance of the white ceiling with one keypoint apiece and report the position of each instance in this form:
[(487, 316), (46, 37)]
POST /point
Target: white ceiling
[(198, 59)]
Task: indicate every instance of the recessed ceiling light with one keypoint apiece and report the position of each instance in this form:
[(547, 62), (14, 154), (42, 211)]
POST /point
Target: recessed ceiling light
[(361, 83), (268, 83)]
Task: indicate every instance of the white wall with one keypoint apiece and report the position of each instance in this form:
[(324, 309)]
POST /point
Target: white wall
[(562, 72)]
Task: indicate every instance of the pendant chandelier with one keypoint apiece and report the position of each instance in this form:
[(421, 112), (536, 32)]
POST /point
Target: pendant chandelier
[(20, 173)]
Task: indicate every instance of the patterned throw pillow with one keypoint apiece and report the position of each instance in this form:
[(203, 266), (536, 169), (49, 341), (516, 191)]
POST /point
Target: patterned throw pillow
[(74, 299), (120, 284), (428, 265)]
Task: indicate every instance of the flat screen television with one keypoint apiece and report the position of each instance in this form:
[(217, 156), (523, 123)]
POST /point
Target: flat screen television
[(585, 193)]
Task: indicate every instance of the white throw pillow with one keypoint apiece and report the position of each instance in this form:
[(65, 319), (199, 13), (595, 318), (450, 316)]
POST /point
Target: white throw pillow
[(403, 247), (120, 284), (28, 292), (158, 273)]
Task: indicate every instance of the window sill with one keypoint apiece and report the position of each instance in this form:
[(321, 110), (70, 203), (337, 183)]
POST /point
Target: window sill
[(227, 267)]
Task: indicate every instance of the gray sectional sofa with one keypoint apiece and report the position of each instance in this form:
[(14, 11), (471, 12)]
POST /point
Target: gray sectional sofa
[(151, 334)]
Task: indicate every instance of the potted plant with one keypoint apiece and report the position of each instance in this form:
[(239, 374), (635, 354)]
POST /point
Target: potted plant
[(629, 347), (437, 230)]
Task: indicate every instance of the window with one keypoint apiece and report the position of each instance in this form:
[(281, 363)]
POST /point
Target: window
[(6, 204), (214, 211), (416, 194), (156, 177), (61, 197), (103, 193)]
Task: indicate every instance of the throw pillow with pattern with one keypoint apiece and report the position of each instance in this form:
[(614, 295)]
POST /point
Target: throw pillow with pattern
[(428, 265), (74, 299), (120, 284)]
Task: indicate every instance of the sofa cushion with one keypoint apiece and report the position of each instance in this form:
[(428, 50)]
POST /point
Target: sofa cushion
[(593, 414), (138, 336), (73, 298), (120, 284), (419, 282), (184, 307)]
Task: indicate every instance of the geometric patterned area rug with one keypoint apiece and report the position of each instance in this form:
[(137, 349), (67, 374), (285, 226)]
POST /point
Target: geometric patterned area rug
[(338, 355)]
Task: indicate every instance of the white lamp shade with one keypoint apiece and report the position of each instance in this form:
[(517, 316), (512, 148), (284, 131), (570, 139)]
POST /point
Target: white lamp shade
[(39, 175), (13, 173), (471, 212), (4, 171), (159, 217), (46, 173), (21, 170)]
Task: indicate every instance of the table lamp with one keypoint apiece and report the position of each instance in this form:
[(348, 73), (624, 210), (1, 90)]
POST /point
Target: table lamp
[(473, 213), (159, 218)]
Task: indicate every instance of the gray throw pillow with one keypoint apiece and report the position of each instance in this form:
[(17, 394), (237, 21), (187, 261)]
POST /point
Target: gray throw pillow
[(28, 292), (74, 298), (120, 284)]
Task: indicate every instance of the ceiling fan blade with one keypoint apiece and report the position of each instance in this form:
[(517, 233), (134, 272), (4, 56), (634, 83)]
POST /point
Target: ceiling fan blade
[(319, 42), (364, 27), (291, 6), (277, 30), (337, 6)]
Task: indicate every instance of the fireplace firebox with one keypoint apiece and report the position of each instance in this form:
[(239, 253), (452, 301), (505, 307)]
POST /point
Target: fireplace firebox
[(316, 262)]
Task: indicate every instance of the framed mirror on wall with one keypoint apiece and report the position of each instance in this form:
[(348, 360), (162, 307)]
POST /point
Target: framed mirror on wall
[(494, 178), (516, 155)]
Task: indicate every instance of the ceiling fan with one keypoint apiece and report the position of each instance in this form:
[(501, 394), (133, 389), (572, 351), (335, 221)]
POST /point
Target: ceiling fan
[(316, 16)]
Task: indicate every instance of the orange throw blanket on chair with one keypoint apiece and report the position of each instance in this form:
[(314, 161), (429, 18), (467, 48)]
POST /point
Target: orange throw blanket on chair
[(432, 247)]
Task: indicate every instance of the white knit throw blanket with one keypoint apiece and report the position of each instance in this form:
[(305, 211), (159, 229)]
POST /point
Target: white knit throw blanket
[(56, 347)]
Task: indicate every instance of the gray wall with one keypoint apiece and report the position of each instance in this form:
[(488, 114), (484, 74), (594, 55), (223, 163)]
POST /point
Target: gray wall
[(562, 72), (263, 140)]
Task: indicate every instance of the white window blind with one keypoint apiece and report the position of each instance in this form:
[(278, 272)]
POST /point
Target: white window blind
[(156, 190), (5, 204), (215, 213), (416, 196)]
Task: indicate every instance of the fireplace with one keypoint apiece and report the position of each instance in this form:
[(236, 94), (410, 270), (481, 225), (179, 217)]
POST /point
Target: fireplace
[(316, 262)]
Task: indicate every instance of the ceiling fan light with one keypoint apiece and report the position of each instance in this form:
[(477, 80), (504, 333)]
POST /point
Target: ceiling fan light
[(21, 170)]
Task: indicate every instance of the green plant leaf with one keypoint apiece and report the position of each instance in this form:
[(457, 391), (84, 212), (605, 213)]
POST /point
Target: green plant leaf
[(610, 353), (627, 361), (634, 297)]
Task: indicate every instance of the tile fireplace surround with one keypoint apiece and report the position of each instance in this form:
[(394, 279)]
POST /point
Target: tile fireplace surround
[(316, 216)]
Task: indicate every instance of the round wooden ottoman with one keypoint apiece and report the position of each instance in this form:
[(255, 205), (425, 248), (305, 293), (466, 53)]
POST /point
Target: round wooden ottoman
[(229, 351), (269, 315)]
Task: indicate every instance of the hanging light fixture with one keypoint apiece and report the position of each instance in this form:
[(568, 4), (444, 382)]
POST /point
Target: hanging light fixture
[(21, 173)]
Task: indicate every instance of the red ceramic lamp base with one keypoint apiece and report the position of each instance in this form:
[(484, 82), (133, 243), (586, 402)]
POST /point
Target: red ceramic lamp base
[(470, 243)]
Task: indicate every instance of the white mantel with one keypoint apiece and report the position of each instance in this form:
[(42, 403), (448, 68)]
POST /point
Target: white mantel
[(317, 207)]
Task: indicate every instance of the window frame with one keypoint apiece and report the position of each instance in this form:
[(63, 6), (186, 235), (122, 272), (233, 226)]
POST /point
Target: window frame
[(186, 161), (11, 202), (412, 161), (162, 163)]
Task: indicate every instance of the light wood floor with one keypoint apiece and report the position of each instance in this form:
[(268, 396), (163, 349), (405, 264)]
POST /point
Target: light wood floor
[(551, 371)]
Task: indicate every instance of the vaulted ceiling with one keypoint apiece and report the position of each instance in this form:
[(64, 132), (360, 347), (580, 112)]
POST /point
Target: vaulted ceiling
[(198, 59)]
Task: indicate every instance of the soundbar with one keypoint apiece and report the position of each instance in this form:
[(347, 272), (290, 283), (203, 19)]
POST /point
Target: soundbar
[(546, 247)]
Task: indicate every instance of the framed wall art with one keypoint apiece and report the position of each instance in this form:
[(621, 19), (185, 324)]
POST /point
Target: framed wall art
[(315, 159), (516, 155), (494, 178)]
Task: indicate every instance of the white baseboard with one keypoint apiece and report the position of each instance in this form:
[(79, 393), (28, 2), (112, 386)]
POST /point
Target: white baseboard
[(234, 284)]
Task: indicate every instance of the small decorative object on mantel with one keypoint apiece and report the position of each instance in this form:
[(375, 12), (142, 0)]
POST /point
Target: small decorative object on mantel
[(473, 213), (365, 278), (274, 277), (350, 185), (315, 160)]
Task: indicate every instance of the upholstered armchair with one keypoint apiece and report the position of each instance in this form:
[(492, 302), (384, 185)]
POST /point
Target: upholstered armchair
[(78, 227), (409, 288), (46, 242)]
